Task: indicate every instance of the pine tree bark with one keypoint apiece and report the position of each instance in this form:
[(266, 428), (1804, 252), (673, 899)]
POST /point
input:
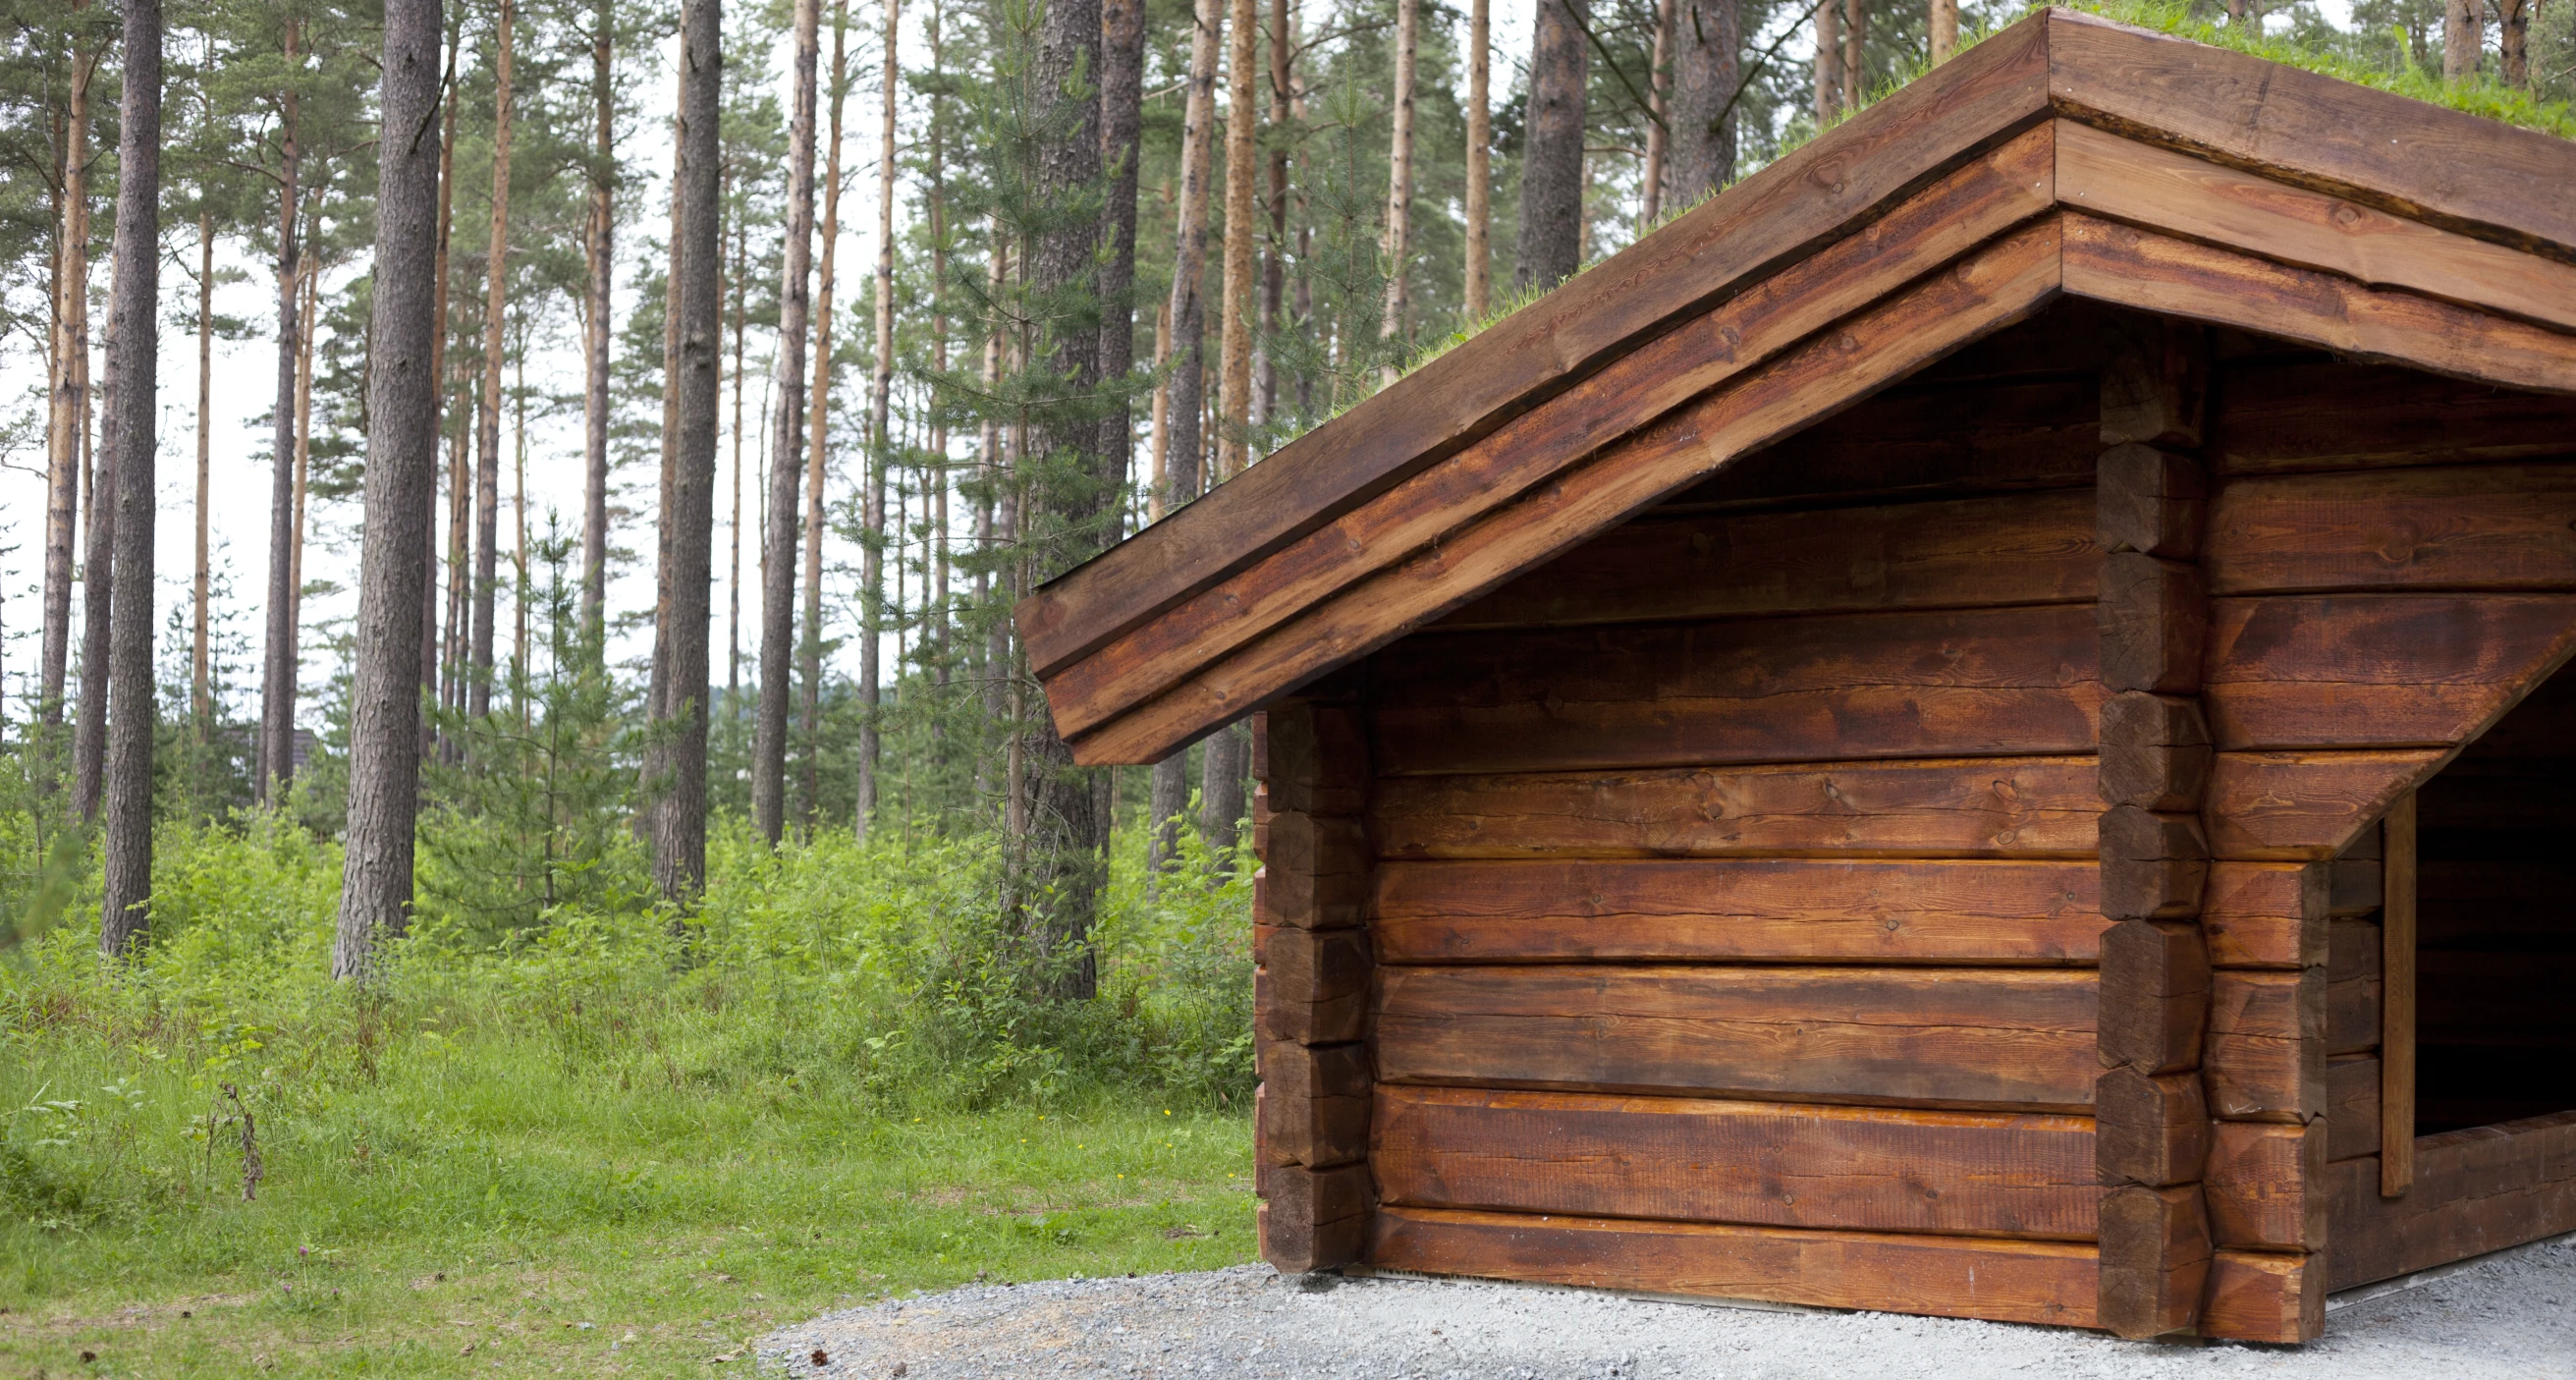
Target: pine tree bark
[(600, 246), (1551, 243), (1122, 124), (1397, 244), (67, 402), (309, 293), (1234, 340), (134, 340), (939, 613), (201, 706), (98, 575), (2463, 43), (1829, 62), (429, 642), (872, 515), (1944, 27), (1274, 195), (656, 762), (680, 827), (1707, 63), (739, 286), (2513, 42), (778, 576), (487, 418), (277, 694), (1855, 53), (401, 487), (1479, 285), (810, 646)]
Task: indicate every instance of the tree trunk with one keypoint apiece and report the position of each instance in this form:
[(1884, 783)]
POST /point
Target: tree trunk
[(310, 293), (733, 574), (600, 244), (1829, 62), (429, 643), (1122, 97), (1480, 153), (1945, 30), (680, 833), (1274, 247), (277, 694), (1234, 339), (201, 706), (2462, 42), (1659, 106), (519, 513), (778, 575), (1399, 195), (939, 611), (401, 486), (67, 402), (1551, 246), (1708, 43), (487, 440), (1855, 54), (995, 473), (880, 405), (134, 338), (98, 574), (810, 646), (2513, 34), (656, 762)]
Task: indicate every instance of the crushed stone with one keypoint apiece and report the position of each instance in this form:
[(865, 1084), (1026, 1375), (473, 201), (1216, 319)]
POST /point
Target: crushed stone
[(2508, 1315)]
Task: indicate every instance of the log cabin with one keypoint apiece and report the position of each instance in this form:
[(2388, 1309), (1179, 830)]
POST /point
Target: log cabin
[(1966, 729)]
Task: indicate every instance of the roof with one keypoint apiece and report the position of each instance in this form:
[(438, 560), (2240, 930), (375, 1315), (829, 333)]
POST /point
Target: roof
[(2065, 156)]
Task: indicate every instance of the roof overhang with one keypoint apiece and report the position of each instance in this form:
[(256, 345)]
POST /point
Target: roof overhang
[(2065, 156)]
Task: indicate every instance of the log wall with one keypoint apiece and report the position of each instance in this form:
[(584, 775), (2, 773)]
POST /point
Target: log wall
[(1736, 903)]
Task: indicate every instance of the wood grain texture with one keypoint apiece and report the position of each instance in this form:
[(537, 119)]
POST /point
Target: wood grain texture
[(2155, 751), (2398, 959), (2155, 996), (2153, 620), (1740, 335), (2376, 670), (2149, 1129), (2266, 1059), (1998, 284), (2255, 915), (1313, 758), (1939, 683), (2177, 193), (2126, 266), (1753, 1163), (2303, 805), (2266, 1185), (2265, 1296), (2154, 1259), (2481, 527), (2010, 807), (1314, 1104), (1944, 1276), (1313, 1219), (1809, 910), (2352, 1106), (2297, 416), (1978, 1037), (2475, 1191), (2015, 549)]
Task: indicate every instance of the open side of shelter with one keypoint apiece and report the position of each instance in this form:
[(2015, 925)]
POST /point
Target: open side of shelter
[(1965, 730)]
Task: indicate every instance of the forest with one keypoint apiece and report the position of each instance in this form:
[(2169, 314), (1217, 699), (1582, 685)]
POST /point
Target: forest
[(627, 889)]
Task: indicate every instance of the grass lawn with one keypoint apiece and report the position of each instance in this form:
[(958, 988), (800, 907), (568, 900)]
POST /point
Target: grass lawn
[(620, 1240)]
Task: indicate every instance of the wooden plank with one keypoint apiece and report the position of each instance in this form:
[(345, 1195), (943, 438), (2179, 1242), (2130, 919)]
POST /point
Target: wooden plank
[(1944, 1276), (1952, 1036), (2013, 549), (2109, 175), (2266, 1059), (2483, 527), (1740, 335), (1756, 1163), (2129, 267), (2376, 670), (2255, 916), (2303, 805), (2401, 155), (2154, 1259), (2267, 1185), (2352, 1106), (2292, 416), (2265, 1296), (1992, 807), (1913, 911), (2476, 1190), (2397, 963), (1937, 683), (1991, 288)]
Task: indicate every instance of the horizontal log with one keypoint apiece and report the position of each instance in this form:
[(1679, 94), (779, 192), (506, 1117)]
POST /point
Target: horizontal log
[(2352, 1015), (2153, 618), (1314, 757), (2151, 1130), (2155, 996), (2475, 1191), (2304, 416), (2154, 1259), (1979, 807), (2154, 866), (1816, 910), (1947, 683), (1314, 1104), (2303, 805), (2376, 670), (2352, 1106), (1757, 1163), (2483, 527), (2265, 1296), (2267, 1185), (1314, 1219), (2266, 1057), (2015, 549), (1990, 1037), (1312, 986), (1944, 1276), (2155, 751), (2255, 915)]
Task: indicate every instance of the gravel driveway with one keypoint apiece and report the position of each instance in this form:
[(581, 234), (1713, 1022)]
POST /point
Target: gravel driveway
[(2510, 1315)]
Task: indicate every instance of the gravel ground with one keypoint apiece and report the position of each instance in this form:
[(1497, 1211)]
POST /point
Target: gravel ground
[(2509, 1315)]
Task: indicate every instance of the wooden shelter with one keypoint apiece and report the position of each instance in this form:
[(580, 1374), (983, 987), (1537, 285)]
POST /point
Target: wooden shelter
[(1960, 730)]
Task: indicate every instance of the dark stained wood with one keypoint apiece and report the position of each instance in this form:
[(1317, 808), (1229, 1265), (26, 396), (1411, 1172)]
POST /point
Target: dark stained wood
[(2400, 155), (2155, 996), (2352, 1106), (2265, 1296), (2397, 1067), (2154, 619), (2475, 1190), (1314, 757), (1314, 1219), (2019, 549), (2280, 417), (2352, 1014), (2266, 1185), (1992, 287), (2154, 1257), (2482, 527), (2266, 1058), (2129, 267), (2256, 915), (1949, 218), (1312, 986), (1314, 873), (2012, 807), (1314, 1104), (1947, 683), (2374, 670), (2300, 805), (2126, 180), (1912, 911), (1756, 1163), (2155, 392), (2151, 1130), (1945, 1276), (2155, 751), (1987, 1037), (2154, 866)]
